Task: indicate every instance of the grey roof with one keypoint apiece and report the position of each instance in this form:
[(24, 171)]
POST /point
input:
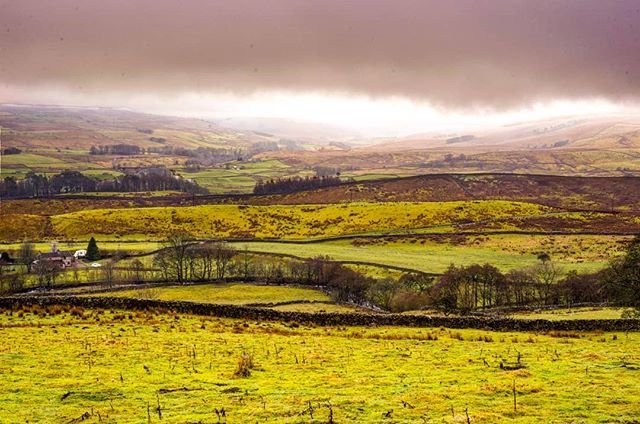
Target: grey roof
[(54, 255)]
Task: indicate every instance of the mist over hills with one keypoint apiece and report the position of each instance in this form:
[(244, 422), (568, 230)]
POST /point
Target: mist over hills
[(38, 125), (575, 132)]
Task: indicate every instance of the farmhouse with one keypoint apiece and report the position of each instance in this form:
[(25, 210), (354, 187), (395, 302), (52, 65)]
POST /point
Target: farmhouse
[(57, 257)]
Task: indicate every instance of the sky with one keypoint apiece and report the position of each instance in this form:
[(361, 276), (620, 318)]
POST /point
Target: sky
[(380, 67)]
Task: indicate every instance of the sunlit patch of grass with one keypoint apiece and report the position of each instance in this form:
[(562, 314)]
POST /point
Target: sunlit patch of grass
[(236, 294), (513, 251), (574, 313), (296, 221)]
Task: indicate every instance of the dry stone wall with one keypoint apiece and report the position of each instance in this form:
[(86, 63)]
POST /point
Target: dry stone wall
[(326, 319)]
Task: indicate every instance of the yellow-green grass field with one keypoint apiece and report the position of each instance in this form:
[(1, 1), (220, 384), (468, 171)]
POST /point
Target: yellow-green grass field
[(276, 221), (507, 252), (573, 313), (128, 246), (232, 294), (316, 308), (124, 367)]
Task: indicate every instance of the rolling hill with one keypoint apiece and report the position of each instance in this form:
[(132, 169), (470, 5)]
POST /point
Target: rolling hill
[(44, 127), (603, 132)]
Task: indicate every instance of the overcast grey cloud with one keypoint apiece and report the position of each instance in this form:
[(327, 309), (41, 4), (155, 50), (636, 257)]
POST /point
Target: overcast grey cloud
[(498, 53)]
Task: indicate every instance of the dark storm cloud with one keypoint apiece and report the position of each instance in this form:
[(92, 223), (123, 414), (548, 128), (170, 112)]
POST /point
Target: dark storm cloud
[(454, 53)]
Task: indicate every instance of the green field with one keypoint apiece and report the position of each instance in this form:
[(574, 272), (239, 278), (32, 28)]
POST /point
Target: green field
[(118, 366), (125, 246), (507, 252), (48, 162), (32, 160), (233, 294), (573, 313)]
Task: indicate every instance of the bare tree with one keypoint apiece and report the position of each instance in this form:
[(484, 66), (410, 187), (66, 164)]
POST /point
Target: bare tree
[(137, 267), (161, 261), (546, 275), (223, 254), (176, 255), (246, 264), (202, 262), (46, 272), (108, 272), (27, 254)]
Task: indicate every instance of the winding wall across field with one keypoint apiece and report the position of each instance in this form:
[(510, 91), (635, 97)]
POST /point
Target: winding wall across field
[(325, 319)]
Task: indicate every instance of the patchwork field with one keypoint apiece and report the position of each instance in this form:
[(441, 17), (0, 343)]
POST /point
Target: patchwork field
[(241, 177), (131, 367)]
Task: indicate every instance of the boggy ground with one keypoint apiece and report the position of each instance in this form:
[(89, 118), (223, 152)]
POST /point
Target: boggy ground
[(121, 366)]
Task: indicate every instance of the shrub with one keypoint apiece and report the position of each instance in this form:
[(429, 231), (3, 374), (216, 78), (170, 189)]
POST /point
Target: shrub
[(245, 365), (406, 299)]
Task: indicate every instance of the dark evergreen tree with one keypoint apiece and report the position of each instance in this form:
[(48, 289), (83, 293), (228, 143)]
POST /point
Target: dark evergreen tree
[(93, 253)]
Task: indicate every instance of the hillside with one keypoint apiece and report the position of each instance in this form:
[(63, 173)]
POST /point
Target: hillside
[(620, 194), (592, 193), (44, 127), (601, 146), (307, 132), (101, 142), (313, 221), (55, 138), (602, 132)]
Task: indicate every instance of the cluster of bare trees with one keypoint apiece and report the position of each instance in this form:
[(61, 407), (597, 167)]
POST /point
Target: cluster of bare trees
[(183, 260), (485, 286)]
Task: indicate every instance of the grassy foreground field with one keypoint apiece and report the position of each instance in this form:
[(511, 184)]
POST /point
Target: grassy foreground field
[(132, 367)]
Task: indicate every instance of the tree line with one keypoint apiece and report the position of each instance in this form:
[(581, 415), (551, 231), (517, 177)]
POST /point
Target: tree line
[(477, 287), (461, 289), (35, 185), (294, 184)]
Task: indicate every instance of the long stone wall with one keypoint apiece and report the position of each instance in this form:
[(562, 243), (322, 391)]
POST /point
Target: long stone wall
[(327, 319)]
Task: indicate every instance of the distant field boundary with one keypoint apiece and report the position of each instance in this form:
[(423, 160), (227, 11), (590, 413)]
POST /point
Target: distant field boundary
[(326, 319), (424, 235)]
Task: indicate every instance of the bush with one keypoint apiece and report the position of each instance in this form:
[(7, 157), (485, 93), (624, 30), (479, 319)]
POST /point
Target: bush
[(245, 365), (406, 299)]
